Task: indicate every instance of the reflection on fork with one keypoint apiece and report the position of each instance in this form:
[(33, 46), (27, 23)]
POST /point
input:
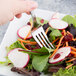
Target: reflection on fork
[(41, 38)]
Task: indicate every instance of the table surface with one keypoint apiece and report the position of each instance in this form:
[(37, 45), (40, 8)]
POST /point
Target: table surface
[(62, 6)]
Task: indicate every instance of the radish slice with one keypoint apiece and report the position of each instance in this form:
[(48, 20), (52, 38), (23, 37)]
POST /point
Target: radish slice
[(60, 55), (56, 16), (19, 59), (23, 32), (58, 24)]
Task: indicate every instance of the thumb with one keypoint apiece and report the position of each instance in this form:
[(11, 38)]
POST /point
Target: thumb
[(24, 6)]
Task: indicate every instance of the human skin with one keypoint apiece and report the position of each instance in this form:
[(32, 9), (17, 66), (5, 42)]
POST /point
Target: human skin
[(11, 8)]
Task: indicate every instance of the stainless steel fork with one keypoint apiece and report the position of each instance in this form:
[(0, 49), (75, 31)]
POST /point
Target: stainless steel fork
[(40, 36)]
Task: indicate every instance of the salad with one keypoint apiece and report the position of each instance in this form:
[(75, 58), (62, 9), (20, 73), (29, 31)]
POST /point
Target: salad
[(26, 57)]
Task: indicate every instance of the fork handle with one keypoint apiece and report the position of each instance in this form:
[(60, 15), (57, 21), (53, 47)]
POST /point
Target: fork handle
[(33, 16)]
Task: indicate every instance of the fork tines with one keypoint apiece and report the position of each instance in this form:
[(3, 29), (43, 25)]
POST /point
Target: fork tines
[(41, 38)]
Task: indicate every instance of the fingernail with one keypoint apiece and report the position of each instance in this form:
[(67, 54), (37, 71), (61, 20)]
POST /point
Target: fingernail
[(34, 5)]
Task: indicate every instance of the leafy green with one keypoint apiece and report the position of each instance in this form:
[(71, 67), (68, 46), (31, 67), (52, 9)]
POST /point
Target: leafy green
[(16, 44), (70, 20), (45, 70), (39, 62), (33, 46), (50, 50), (5, 62), (51, 29), (29, 67), (2, 62), (32, 39), (38, 21), (67, 72), (42, 51), (74, 16), (55, 33), (52, 37), (33, 53)]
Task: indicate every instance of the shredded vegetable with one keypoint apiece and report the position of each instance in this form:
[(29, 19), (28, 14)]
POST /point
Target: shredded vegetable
[(73, 52), (47, 30), (28, 42), (73, 48), (55, 40), (71, 60), (23, 45), (57, 46), (29, 32), (69, 66), (66, 43)]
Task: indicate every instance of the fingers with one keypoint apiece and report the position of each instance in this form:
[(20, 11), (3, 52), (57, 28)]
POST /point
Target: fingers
[(25, 6)]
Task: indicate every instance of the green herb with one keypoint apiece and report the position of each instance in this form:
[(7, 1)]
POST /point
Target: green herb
[(38, 21), (66, 72), (74, 16), (39, 62), (44, 50), (49, 50), (41, 51), (45, 71), (5, 62), (2, 62), (51, 29), (70, 20), (33, 46), (52, 37), (55, 33), (33, 53), (32, 39), (29, 67), (16, 44)]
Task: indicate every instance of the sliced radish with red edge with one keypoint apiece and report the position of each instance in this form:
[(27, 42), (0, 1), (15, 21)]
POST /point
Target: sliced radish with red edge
[(19, 59), (58, 24), (60, 55), (23, 32)]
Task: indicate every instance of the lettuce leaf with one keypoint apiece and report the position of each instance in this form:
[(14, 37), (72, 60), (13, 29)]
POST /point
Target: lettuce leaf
[(70, 20), (42, 51), (54, 34), (16, 44), (39, 62), (67, 72), (5, 62), (38, 21)]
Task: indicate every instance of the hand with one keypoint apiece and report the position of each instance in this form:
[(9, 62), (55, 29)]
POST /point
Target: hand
[(11, 8)]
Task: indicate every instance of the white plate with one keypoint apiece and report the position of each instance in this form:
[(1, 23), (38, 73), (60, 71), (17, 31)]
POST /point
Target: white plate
[(11, 36)]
